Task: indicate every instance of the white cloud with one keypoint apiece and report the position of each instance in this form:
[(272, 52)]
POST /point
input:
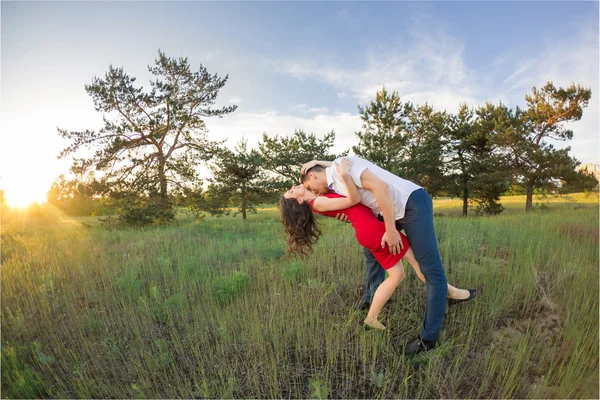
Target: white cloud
[(432, 70), (251, 126), (235, 100), (317, 110), (305, 109), (573, 59)]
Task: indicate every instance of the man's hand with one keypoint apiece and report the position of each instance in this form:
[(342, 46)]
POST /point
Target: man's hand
[(342, 217), (312, 163), (393, 240)]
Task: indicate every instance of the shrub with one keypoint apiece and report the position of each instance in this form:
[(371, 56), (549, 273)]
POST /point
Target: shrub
[(227, 287), (295, 271)]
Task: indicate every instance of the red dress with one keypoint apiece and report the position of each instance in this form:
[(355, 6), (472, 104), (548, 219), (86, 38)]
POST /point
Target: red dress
[(369, 231)]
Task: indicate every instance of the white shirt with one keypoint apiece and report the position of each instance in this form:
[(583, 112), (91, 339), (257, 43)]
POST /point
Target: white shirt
[(400, 189)]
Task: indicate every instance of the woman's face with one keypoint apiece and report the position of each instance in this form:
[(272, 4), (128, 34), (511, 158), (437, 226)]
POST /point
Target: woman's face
[(296, 192)]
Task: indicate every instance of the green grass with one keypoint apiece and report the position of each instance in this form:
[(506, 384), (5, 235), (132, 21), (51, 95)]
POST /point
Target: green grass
[(214, 309)]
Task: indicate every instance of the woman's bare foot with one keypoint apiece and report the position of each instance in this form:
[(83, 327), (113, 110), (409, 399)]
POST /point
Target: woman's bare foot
[(374, 323)]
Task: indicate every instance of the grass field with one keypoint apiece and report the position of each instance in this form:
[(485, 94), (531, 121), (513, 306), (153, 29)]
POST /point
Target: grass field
[(215, 309)]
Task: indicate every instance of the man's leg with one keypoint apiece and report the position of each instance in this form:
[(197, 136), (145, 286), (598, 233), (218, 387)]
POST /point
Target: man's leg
[(418, 225), (375, 275)]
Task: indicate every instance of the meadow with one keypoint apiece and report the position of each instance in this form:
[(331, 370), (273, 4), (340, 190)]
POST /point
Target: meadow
[(216, 309)]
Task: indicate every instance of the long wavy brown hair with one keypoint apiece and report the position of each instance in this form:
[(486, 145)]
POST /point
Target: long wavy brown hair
[(300, 226)]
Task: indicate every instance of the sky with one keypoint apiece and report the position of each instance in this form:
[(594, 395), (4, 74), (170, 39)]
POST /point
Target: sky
[(291, 65)]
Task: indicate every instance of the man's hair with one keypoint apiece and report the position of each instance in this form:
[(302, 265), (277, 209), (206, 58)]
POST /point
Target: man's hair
[(316, 168)]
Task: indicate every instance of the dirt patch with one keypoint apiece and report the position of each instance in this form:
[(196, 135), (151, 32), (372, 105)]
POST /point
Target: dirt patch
[(502, 253), (546, 325), (579, 232), (547, 321)]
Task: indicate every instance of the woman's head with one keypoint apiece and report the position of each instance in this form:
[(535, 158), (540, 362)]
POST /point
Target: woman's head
[(298, 221), (297, 192)]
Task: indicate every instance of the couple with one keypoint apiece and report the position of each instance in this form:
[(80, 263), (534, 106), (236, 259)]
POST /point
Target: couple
[(401, 205)]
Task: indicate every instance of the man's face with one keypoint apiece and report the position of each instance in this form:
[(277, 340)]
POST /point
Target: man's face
[(316, 184)]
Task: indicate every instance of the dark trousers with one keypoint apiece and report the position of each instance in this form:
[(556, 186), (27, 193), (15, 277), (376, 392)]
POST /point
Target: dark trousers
[(418, 226), (375, 275)]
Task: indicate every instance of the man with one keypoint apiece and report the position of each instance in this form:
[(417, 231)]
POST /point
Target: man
[(402, 205)]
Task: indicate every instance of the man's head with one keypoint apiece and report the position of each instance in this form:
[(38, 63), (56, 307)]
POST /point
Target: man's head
[(315, 180)]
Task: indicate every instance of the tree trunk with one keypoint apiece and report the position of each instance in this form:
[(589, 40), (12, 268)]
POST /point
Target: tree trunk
[(465, 181), (162, 179), (244, 201), (529, 200)]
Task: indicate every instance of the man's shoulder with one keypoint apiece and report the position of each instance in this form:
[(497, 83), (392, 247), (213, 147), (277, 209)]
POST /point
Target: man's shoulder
[(356, 159)]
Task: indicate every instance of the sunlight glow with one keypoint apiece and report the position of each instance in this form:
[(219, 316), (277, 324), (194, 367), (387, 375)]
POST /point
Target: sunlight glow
[(21, 195), (22, 200)]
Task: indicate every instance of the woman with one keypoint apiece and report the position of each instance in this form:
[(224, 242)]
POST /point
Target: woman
[(297, 207)]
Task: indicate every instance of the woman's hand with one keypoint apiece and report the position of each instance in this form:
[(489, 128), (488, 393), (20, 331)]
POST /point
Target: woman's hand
[(344, 166)]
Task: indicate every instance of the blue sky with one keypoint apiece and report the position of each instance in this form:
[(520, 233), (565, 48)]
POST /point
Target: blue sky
[(291, 65)]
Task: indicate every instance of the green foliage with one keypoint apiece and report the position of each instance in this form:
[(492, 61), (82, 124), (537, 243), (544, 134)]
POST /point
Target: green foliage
[(383, 138), (515, 189), (477, 172), (202, 203), (272, 252), (225, 288), (19, 380), (379, 379), (578, 181), (426, 145), (142, 211), (137, 392), (129, 283), (138, 210), (319, 389), (239, 179), (536, 162), (155, 139), (284, 155), (40, 356), (295, 271), (82, 196)]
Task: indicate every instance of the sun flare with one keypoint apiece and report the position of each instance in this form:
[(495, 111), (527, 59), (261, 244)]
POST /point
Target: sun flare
[(23, 198)]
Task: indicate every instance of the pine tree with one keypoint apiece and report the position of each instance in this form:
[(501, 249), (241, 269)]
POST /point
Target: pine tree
[(240, 180), (535, 161), (284, 155), (151, 141), (382, 139)]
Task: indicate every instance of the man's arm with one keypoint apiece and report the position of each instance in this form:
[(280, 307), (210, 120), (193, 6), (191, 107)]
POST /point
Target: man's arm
[(382, 194)]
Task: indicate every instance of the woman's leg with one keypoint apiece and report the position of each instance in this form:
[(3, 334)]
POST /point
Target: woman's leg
[(453, 293), (383, 293)]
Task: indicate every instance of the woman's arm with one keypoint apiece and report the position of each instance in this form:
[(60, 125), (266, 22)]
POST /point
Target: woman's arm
[(322, 203), (344, 170)]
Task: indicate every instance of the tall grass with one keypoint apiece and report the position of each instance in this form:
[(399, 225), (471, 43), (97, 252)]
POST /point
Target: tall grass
[(215, 309)]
